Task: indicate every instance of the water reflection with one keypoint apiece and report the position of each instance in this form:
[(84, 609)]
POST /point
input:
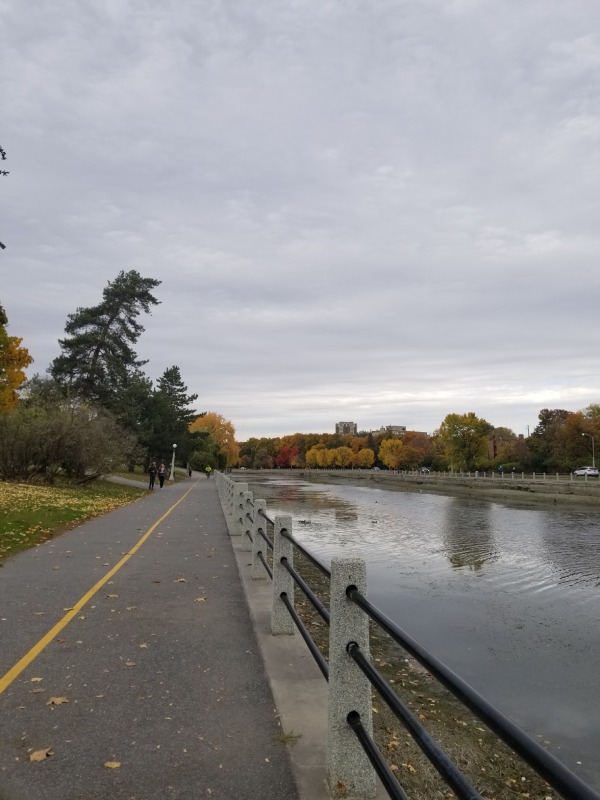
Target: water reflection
[(468, 536)]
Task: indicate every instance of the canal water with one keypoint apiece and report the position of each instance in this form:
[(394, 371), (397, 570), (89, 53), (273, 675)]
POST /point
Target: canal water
[(509, 598)]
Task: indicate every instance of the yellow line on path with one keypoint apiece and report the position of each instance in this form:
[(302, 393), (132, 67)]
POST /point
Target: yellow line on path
[(24, 662)]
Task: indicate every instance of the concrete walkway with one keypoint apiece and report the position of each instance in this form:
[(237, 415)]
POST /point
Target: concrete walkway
[(129, 662)]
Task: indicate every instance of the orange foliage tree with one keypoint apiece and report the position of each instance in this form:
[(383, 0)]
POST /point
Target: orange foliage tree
[(222, 432), (14, 360)]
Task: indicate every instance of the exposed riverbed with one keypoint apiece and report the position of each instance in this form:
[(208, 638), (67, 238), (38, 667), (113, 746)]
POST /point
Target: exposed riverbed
[(508, 597)]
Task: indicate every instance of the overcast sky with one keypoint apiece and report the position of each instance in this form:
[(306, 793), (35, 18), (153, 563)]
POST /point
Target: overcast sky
[(382, 211)]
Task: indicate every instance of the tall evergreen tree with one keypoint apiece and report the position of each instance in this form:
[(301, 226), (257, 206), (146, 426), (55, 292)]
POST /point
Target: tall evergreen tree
[(171, 384), (98, 357)]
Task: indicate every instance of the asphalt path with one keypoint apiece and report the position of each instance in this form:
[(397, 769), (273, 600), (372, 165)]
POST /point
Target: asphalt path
[(129, 665)]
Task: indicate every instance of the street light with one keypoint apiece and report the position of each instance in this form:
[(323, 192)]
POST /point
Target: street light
[(593, 448), (172, 475)]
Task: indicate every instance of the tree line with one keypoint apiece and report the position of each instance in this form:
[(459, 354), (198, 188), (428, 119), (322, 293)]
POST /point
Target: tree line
[(561, 441), (96, 410)]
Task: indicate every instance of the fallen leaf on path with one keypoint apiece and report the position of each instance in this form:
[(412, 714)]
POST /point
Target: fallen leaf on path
[(144, 646), (131, 608), (200, 600), (130, 663), (112, 595), (112, 764), (180, 580), (56, 701), (36, 680), (41, 755)]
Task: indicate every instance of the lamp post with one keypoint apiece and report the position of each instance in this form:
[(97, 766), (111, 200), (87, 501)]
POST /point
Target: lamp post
[(172, 475), (593, 448)]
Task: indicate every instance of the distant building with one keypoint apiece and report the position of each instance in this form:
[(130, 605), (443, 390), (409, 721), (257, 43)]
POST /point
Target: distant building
[(346, 428), (394, 430)]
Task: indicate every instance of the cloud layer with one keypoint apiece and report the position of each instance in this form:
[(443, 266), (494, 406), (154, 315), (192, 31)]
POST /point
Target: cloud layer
[(383, 212)]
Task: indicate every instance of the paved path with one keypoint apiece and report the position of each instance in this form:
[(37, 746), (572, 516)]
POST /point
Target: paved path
[(139, 620)]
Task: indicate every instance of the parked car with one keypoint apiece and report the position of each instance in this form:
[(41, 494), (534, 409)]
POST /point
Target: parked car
[(425, 470), (589, 472)]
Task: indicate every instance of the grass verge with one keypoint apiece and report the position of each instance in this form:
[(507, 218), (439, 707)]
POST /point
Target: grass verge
[(491, 767), (30, 514)]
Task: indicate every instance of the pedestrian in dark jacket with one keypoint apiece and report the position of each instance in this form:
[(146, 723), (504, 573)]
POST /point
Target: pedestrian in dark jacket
[(152, 474)]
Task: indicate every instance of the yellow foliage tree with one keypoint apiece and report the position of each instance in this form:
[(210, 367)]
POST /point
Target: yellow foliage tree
[(223, 433), (364, 458), (390, 453), (341, 457), (14, 360)]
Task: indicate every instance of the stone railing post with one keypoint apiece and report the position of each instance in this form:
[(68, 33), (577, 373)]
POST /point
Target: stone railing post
[(239, 509), (259, 545), (281, 622), (349, 772), (247, 521)]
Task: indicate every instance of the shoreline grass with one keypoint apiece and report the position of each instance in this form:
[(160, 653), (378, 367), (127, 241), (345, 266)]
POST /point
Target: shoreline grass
[(32, 514)]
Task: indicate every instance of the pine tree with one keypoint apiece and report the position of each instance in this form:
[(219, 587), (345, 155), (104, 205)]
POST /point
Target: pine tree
[(171, 384), (98, 358)]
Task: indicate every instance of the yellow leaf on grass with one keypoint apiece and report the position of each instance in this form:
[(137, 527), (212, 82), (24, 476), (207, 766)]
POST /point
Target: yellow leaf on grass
[(56, 701), (41, 755), (409, 767), (112, 764)]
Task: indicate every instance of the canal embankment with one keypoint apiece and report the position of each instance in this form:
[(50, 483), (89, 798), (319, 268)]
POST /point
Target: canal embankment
[(546, 490)]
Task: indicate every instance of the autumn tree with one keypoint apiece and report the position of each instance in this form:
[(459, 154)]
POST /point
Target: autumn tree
[(286, 456), (365, 458), (390, 453), (98, 356), (464, 438), (223, 433), (339, 457), (14, 360)]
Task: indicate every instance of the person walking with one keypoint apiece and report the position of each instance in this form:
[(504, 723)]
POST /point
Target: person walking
[(152, 475), (190, 470), (208, 470), (162, 471)]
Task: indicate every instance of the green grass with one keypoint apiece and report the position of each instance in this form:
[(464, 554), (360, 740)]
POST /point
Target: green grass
[(30, 514)]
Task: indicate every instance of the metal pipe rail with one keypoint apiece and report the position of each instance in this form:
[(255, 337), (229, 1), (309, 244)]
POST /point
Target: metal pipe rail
[(310, 642), (299, 581), (545, 764), (311, 556), (444, 765), (265, 565), (385, 774)]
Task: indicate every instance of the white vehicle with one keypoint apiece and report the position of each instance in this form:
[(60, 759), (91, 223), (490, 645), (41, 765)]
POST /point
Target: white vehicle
[(587, 472)]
